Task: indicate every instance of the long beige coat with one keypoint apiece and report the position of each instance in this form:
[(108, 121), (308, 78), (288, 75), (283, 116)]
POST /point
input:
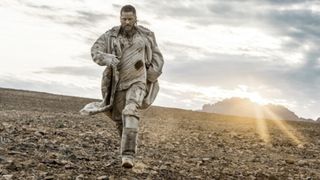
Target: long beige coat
[(107, 46)]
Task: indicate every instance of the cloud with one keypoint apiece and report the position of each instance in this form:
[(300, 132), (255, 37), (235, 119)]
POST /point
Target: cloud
[(56, 87), (204, 13), (283, 2), (86, 18), (174, 9), (178, 46), (144, 23), (255, 14), (223, 69), (90, 72), (116, 6), (299, 24), (293, 22), (68, 16), (37, 6), (282, 81), (84, 57)]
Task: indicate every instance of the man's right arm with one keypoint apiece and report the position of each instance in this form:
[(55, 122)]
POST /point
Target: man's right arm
[(100, 53)]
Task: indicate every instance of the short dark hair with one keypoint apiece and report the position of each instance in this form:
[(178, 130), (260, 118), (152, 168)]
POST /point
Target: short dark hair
[(128, 8)]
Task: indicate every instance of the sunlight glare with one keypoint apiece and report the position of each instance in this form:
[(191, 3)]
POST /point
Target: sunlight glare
[(286, 128), (261, 125)]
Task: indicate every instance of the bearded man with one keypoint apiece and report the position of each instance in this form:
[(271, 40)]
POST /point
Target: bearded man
[(131, 54)]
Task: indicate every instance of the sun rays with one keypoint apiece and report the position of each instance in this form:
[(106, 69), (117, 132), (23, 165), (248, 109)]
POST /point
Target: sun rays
[(262, 128), (261, 125)]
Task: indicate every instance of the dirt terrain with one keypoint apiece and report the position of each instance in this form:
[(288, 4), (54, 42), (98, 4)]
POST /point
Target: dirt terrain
[(42, 136)]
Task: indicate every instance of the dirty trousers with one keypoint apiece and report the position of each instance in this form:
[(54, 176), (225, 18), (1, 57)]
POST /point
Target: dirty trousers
[(126, 115)]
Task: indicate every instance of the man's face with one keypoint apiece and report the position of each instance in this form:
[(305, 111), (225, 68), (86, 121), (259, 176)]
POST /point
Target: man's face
[(127, 19)]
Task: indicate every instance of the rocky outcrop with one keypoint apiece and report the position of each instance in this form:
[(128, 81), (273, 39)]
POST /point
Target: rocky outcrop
[(246, 108)]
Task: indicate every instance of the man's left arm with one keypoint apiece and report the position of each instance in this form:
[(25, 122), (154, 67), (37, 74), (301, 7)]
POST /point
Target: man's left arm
[(155, 68)]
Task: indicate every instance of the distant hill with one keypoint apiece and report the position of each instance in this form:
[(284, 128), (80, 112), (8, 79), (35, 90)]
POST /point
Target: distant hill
[(244, 107), (318, 120)]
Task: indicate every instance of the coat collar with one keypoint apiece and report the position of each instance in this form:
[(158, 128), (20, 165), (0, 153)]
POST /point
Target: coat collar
[(115, 31)]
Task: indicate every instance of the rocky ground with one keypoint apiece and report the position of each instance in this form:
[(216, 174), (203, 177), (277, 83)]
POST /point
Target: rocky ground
[(42, 136)]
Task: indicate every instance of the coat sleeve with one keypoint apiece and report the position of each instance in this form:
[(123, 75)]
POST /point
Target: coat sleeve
[(155, 68), (100, 51)]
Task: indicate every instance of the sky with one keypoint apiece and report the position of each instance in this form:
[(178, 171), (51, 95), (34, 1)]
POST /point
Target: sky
[(266, 50)]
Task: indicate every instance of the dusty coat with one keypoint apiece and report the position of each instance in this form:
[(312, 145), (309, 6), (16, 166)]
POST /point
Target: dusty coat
[(107, 46)]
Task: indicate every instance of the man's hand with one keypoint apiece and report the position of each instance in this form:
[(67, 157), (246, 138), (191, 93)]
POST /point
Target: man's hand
[(114, 62), (152, 75), (110, 60)]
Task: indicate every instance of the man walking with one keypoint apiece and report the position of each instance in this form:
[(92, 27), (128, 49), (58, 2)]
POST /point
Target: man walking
[(131, 51)]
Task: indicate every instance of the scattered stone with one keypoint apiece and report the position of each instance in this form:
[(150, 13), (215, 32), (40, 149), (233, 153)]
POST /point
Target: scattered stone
[(17, 153), (28, 163), (272, 177), (103, 178), (163, 167), (139, 167), (13, 166), (69, 165), (7, 177), (39, 133), (153, 172), (289, 161), (303, 163), (52, 155), (300, 146), (49, 178), (110, 163), (80, 177), (198, 177), (2, 127), (3, 159), (220, 145), (111, 177)]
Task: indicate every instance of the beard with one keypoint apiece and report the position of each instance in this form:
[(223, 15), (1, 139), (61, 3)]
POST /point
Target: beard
[(128, 30)]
